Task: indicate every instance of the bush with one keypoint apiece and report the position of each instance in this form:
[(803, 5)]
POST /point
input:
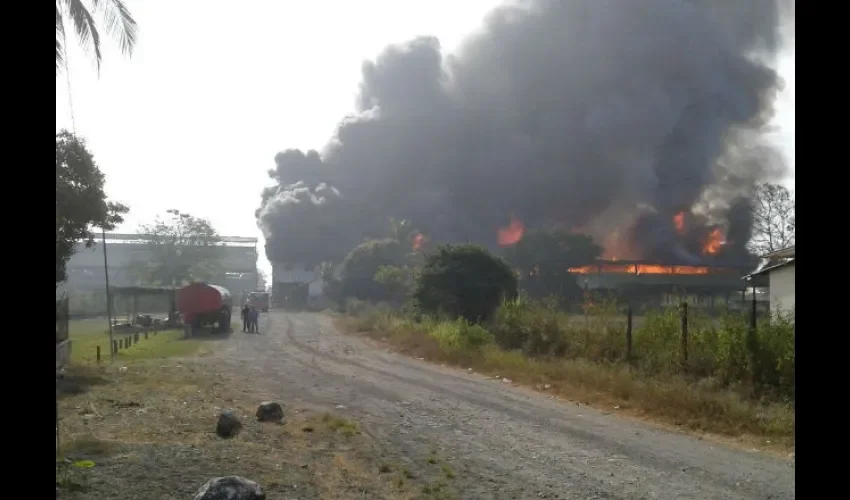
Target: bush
[(464, 281), (357, 271), (534, 327), (459, 336)]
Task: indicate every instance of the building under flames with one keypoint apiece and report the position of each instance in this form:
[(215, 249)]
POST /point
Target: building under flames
[(649, 284)]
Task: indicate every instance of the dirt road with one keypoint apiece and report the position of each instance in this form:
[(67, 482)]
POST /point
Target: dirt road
[(502, 441)]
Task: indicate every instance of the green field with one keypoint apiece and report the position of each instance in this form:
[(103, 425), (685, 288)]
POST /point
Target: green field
[(87, 334)]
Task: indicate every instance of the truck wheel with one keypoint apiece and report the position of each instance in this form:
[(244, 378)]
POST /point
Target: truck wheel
[(224, 322)]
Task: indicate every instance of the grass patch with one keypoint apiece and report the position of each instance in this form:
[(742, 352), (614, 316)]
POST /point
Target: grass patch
[(87, 335), (347, 428), (86, 445), (448, 471), (537, 346), (71, 478)]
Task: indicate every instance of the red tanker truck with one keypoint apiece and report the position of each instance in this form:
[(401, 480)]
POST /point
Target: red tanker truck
[(202, 304)]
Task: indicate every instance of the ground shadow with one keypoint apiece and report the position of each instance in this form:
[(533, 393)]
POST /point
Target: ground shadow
[(77, 380)]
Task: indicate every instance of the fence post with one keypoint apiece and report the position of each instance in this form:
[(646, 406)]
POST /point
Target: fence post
[(136, 338), (146, 334), (629, 334), (754, 315), (114, 346), (98, 354), (753, 342), (684, 316)]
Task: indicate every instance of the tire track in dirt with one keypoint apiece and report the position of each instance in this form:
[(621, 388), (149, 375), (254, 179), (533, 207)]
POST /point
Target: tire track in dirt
[(511, 443)]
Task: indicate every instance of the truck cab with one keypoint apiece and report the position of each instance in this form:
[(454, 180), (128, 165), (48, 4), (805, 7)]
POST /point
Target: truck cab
[(259, 300)]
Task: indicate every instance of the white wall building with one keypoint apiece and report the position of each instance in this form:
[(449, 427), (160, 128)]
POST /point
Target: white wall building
[(285, 275), (779, 269)]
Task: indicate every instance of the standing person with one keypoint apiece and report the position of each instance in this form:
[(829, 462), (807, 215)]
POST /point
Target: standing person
[(255, 319), (246, 318)]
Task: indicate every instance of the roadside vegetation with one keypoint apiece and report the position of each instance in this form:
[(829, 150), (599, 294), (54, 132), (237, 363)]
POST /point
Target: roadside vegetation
[(461, 305)]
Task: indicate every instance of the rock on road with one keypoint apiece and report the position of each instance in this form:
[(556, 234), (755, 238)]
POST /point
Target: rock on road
[(503, 441)]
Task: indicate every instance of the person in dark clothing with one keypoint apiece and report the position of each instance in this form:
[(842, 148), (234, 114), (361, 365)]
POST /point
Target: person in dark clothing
[(246, 318), (255, 317)]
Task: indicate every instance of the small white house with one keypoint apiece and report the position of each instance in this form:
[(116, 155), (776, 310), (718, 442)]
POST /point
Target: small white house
[(779, 269), (286, 278)]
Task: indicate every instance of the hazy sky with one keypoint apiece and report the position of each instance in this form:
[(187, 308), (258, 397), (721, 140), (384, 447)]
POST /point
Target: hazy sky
[(193, 120)]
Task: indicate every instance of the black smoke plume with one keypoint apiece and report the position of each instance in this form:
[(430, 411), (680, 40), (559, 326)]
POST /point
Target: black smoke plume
[(606, 116)]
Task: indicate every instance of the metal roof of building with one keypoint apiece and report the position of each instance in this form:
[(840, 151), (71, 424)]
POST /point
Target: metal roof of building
[(769, 268), (785, 253)]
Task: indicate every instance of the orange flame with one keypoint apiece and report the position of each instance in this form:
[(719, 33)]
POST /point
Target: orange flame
[(418, 241), (713, 242), (512, 234), (639, 269), (679, 222)]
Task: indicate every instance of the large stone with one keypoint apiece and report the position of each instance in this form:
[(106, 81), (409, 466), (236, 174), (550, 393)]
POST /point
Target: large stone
[(228, 425), (230, 488), (270, 411)]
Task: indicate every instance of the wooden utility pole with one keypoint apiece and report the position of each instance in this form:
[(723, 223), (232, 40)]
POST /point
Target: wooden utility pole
[(108, 293)]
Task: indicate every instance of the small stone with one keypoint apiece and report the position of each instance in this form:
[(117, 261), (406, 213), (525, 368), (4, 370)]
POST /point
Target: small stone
[(270, 411), (228, 425), (506, 381), (230, 488), (547, 386)]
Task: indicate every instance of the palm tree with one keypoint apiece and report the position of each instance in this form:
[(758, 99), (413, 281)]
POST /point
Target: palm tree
[(118, 20)]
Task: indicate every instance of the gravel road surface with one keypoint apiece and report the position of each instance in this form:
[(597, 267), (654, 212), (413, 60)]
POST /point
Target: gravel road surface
[(503, 442)]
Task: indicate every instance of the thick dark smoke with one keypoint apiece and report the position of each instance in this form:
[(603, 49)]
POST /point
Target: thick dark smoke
[(608, 116)]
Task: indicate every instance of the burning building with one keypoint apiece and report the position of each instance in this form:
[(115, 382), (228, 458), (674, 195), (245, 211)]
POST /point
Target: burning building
[(664, 284), (689, 257)]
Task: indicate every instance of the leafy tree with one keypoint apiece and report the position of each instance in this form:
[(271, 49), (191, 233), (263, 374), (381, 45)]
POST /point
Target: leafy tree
[(543, 258), (396, 279), (80, 200), (184, 248), (118, 21), (357, 272), (464, 281), (773, 219), (327, 270)]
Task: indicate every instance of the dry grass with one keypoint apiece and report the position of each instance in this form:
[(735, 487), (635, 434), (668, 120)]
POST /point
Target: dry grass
[(695, 406), (148, 427)]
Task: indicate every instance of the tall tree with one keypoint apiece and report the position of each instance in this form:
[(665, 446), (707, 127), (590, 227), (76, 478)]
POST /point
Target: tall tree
[(117, 18), (773, 219), (80, 200), (183, 248)]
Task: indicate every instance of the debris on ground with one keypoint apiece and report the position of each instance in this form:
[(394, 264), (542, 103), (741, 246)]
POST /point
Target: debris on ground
[(228, 425), (230, 488), (270, 411)]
